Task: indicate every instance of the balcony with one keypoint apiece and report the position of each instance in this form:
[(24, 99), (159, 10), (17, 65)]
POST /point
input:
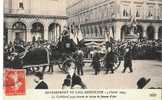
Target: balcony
[(17, 11), (35, 12)]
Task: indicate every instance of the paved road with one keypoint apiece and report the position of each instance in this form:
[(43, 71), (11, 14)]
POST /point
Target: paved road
[(142, 68)]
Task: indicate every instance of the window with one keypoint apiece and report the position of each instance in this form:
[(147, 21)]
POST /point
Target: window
[(125, 13), (160, 11), (19, 26), (130, 12), (137, 14), (138, 11), (150, 11), (21, 6), (149, 14)]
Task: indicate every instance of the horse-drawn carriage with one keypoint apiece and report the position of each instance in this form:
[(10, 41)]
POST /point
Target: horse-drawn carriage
[(63, 53), (47, 54), (60, 54)]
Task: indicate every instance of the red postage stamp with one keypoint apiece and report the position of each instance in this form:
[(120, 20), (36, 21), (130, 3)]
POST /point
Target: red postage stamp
[(14, 82)]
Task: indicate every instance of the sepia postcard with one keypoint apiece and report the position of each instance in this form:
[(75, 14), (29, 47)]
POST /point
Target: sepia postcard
[(82, 49)]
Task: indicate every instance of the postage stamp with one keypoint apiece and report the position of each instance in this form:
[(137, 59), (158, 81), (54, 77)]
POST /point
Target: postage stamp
[(14, 82)]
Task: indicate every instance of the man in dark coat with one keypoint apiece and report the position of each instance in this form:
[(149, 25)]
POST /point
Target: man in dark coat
[(16, 62), (109, 60), (128, 60), (96, 63), (71, 82), (76, 80), (67, 82), (79, 62), (39, 80)]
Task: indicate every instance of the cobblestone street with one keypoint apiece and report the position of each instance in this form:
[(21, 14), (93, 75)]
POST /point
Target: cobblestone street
[(141, 68)]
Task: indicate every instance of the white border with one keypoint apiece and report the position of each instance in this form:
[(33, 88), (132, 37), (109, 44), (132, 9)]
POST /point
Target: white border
[(1, 49)]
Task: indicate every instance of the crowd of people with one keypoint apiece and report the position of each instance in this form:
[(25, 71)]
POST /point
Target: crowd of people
[(126, 50), (145, 49)]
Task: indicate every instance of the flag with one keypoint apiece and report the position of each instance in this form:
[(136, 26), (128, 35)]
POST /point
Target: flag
[(79, 35), (73, 37), (132, 20), (75, 40), (76, 34), (111, 33), (107, 36), (73, 33)]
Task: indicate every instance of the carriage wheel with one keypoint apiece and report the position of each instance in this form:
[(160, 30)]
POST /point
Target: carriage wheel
[(62, 66), (67, 65)]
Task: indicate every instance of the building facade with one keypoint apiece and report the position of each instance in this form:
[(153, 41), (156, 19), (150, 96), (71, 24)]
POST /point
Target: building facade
[(34, 19), (98, 17)]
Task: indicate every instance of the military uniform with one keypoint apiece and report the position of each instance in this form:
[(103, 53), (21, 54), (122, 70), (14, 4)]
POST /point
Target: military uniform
[(96, 63), (128, 61), (79, 62), (109, 61)]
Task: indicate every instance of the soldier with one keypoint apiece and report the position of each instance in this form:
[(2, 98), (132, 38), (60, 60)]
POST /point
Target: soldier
[(50, 68), (128, 60), (109, 60), (96, 63), (79, 62)]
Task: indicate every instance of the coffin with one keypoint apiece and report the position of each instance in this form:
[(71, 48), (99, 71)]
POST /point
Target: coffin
[(36, 57)]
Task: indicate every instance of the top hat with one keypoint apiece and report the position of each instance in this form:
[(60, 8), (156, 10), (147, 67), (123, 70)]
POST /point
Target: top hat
[(142, 82)]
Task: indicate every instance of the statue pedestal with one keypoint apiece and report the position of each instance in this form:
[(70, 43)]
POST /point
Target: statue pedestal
[(131, 36), (132, 32)]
